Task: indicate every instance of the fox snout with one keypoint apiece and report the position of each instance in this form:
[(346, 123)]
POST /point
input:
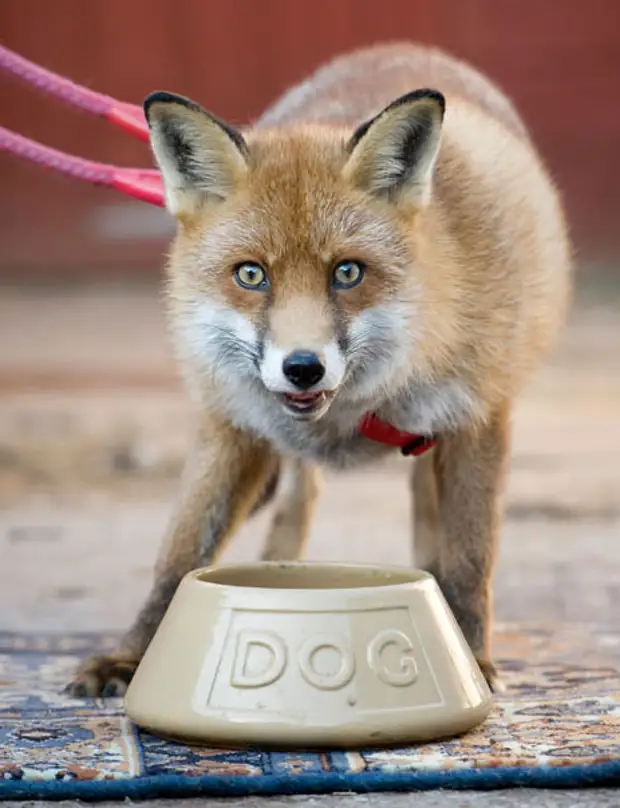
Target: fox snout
[(304, 379), (300, 354), (301, 369), (304, 369)]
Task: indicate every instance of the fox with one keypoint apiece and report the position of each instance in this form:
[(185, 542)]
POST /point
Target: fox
[(384, 242)]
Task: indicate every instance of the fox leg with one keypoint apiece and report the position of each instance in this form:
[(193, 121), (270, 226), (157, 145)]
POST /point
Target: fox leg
[(222, 480), (425, 502), (295, 505), (457, 493)]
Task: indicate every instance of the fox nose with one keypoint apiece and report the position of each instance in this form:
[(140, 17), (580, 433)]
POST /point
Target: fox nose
[(303, 369)]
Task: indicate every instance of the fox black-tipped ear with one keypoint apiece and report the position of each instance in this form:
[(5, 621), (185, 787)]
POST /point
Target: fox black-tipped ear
[(394, 153), (199, 156)]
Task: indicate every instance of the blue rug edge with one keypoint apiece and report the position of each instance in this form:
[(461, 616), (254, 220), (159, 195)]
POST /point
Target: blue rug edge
[(595, 775)]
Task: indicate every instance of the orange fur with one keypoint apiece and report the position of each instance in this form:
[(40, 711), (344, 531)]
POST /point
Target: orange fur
[(467, 265)]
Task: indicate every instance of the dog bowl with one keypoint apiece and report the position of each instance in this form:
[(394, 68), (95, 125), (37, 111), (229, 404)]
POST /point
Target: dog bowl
[(307, 655)]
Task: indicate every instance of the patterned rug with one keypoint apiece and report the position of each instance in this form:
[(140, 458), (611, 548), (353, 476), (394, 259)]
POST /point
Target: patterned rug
[(557, 725)]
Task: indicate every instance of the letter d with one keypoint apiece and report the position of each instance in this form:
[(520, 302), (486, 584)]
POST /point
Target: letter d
[(246, 672)]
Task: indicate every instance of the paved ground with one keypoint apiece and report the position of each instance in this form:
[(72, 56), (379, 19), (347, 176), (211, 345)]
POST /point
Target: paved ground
[(93, 427), (524, 798)]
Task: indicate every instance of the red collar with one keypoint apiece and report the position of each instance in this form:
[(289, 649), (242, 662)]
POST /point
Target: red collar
[(409, 443)]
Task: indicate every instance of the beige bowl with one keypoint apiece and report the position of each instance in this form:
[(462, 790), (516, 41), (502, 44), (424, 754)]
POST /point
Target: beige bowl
[(308, 655)]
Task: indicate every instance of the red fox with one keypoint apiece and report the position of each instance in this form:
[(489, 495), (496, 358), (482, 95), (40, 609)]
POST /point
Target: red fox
[(368, 248)]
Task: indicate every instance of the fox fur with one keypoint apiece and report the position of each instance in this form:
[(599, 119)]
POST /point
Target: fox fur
[(418, 169)]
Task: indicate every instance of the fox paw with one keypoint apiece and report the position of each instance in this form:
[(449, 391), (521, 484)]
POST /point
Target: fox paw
[(105, 676), (489, 671)]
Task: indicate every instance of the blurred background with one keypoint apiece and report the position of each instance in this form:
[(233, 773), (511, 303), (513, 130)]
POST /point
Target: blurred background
[(558, 59), (93, 421)]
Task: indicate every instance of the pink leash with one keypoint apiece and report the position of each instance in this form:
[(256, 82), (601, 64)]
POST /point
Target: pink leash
[(145, 185), (126, 116), (141, 184)]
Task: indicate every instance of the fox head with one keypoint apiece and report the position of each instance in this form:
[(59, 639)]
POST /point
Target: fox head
[(293, 266)]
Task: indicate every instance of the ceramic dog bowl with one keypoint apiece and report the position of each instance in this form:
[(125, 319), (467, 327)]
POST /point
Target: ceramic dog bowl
[(307, 655)]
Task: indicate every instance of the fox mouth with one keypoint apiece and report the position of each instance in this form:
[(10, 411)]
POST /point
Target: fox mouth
[(306, 405)]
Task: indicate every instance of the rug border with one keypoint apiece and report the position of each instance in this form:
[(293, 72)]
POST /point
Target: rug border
[(595, 775)]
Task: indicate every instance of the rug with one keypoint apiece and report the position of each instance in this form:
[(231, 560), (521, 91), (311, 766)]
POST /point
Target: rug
[(558, 724)]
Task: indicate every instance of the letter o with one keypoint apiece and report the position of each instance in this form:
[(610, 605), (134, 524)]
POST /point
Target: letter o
[(326, 681)]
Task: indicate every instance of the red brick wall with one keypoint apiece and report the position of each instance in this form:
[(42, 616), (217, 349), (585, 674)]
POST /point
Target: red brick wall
[(559, 59)]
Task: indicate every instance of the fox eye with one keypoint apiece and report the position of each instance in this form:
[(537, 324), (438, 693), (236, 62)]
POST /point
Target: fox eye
[(250, 275), (347, 274)]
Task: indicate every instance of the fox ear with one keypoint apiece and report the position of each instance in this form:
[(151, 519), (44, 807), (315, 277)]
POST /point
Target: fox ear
[(394, 153), (198, 155)]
